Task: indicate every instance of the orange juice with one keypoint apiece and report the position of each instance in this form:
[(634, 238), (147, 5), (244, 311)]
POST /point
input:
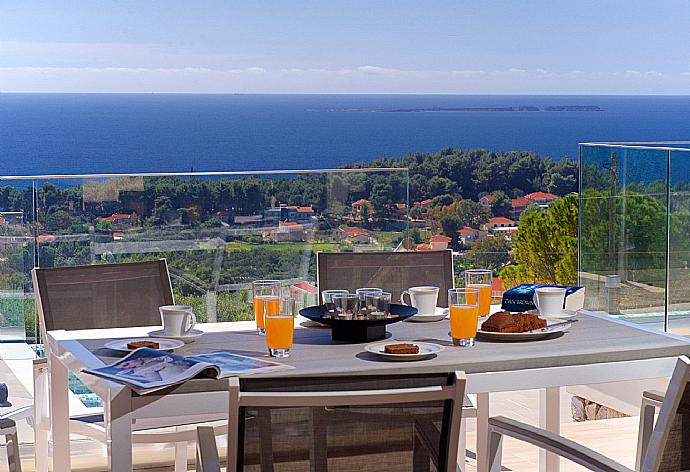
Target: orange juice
[(463, 321), (279, 330), (272, 306), (484, 297)]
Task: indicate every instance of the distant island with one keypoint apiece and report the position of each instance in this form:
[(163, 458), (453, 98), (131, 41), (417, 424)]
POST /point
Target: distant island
[(451, 109)]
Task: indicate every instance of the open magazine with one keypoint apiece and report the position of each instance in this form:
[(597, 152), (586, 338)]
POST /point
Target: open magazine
[(146, 370)]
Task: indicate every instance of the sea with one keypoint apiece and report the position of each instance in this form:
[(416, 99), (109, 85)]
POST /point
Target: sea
[(120, 133)]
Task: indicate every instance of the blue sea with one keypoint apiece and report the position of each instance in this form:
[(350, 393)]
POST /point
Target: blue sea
[(93, 133)]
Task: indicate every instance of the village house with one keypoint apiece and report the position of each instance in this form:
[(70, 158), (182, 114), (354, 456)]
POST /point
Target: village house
[(486, 201), (117, 219), (468, 235), (498, 222), (355, 235), (541, 198), (287, 231), (358, 208)]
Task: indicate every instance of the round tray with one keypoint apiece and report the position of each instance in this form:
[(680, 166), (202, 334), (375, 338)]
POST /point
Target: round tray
[(357, 331)]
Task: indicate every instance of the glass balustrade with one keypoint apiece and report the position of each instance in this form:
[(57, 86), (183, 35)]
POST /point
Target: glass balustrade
[(634, 243)]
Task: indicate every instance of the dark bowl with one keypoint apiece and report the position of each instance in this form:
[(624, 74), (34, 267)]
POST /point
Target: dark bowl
[(357, 330)]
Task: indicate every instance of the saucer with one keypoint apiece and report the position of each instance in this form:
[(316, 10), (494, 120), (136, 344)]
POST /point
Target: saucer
[(190, 337), (439, 314), (564, 315)]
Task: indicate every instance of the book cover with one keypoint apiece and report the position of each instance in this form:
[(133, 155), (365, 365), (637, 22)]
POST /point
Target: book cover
[(520, 298)]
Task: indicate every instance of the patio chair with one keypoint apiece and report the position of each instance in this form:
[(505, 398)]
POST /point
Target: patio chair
[(11, 412), (668, 448), (104, 296), (391, 442), (394, 272)]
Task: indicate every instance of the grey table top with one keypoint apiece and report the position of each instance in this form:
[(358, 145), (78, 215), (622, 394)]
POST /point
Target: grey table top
[(593, 339)]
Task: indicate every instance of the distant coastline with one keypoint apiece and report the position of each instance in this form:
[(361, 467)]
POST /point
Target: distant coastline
[(456, 109)]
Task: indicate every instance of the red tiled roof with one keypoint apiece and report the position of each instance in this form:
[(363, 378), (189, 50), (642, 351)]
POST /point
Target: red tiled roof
[(305, 209), (440, 238), (466, 230), (306, 286), (488, 198), (500, 220), (521, 202), (423, 247), (401, 206), (45, 238), (541, 196), (360, 202), (353, 232), (425, 202), (115, 216)]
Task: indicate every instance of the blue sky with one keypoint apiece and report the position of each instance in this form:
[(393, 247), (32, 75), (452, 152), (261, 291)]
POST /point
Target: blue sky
[(465, 47)]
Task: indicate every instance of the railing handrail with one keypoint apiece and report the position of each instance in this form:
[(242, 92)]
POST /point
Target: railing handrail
[(203, 174), (654, 145)]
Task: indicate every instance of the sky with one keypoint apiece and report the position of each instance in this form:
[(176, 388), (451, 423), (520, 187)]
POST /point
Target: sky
[(353, 46)]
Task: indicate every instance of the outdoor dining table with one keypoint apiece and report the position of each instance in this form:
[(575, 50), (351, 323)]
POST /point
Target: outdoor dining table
[(595, 349)]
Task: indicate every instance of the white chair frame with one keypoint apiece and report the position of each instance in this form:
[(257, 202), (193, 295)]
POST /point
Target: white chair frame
[(651, 442), (207, 452), (94, 430)]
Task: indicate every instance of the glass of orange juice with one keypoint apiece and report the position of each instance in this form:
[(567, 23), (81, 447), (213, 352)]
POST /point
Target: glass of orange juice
[(280, 327), (265, 293), (464, 315), (481, 279)]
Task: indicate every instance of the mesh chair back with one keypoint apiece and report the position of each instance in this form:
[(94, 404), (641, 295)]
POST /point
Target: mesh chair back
[(391, 271), (402, 434), (669, 445), (102, 296)]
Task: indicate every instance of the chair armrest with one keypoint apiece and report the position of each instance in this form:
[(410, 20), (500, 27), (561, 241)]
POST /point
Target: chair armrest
[(554, 443), (654, 395), (206, 450)]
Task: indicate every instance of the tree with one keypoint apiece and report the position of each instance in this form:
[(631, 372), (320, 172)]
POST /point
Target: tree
[(545, 248), (58, 221), (501, 204), (490, 253), (450, 224)]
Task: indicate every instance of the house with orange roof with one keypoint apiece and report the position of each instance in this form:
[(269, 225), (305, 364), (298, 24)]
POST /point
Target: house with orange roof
[(359, 206), (468, 235), (498, 222), (117, 219), (542, 198), (486, 201), (354, 234), (287, 231), (518, 205)]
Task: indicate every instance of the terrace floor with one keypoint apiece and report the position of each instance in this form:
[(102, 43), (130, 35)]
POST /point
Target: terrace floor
[(615, 438)]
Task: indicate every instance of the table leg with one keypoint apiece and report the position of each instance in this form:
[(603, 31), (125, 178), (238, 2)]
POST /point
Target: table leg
[(118, 430), (41, 416), (59, 413), (550, 420), (482, 432)]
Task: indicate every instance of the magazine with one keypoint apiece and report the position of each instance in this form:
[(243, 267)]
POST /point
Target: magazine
[(147, 370)]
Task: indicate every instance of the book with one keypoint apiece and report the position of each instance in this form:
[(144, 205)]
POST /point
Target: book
[(520, 297), (146, 370)]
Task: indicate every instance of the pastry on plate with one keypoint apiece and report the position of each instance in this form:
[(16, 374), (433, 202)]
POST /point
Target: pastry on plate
[(401, 348), (138, 344), (507, 322)]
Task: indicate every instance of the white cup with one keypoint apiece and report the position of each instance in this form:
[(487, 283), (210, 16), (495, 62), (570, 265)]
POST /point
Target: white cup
[(178, 320), (549, 301), (422, 298)]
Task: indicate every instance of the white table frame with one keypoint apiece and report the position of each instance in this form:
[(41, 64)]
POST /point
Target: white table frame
[(64, 353)]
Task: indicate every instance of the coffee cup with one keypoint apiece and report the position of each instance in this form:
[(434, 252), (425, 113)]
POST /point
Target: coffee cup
[(178, 320), (549, 301), (423, 298)]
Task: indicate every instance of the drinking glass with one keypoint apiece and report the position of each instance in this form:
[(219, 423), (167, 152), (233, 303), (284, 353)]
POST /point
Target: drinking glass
[(464, 316), (378, 305), (346, 305), (280, 327), (265, 293), (362, 294), (327, 298), (481, 279)]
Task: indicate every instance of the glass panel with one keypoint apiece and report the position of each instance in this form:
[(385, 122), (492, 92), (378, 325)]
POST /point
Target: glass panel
[(623, 231), (679, 243), (17, 314)]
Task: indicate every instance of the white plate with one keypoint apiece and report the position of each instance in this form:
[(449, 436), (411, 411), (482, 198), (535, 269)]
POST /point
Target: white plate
[(564, 315), (165, 344), (190, 337), (426, 350), (527, 336), (438, 315)]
